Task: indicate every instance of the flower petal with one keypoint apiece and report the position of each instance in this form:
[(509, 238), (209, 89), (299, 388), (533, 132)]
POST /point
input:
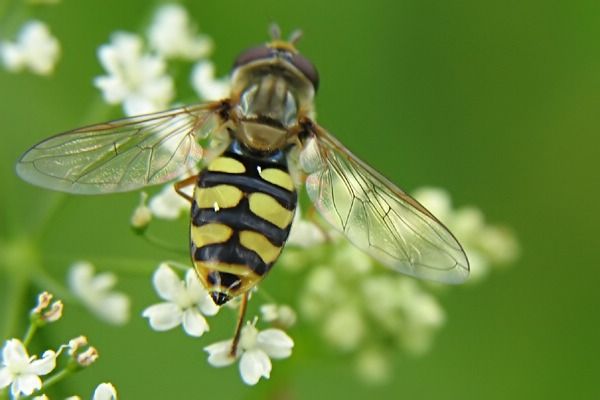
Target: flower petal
[(163, 316), (113, 308), (43, 366), (168, 204), (105, 391), (206, 85), (6, 377), (275, 342), (199, 295), (80, 277), (194, 324), (254, 365), (167, 283), (14, 353), (219, 353), (26, 384)]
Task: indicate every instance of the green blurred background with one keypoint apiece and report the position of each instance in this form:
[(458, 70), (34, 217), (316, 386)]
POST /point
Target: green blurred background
[(498, 102)]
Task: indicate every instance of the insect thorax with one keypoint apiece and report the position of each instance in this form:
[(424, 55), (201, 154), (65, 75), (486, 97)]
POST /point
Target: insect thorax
[(271, 95), (241, 216)]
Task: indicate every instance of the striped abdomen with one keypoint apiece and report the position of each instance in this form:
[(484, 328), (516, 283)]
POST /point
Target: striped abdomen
[(241, 216)]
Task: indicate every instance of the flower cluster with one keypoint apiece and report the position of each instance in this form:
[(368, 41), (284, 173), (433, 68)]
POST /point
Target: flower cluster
[(21, 371), (255, 351), (487, 246), (35, 49), (97, 294), (360, 308), (186, 303), (137, 74), (22, 374)]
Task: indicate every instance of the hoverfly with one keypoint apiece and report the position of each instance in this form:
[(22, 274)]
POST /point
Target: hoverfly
[(256, 149)]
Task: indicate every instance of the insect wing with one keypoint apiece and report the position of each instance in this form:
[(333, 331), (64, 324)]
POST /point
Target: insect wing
[(120, 155), (378, 217)]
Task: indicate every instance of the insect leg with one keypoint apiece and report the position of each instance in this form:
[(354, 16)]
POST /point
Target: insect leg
[(240, 322), (185, 183)]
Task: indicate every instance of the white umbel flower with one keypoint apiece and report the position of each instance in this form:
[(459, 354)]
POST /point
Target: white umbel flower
[(280, 315), (486, 245), (105, 391), (173, 36), (168, 204), (21, 371), (206, 85), (35, 49), (304, 233), (187, 302), (137, 80), (255, 351), (95, 291)]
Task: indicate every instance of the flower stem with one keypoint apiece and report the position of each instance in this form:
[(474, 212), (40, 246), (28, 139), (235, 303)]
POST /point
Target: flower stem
[(31, 330), (153, 240), (59, 376)]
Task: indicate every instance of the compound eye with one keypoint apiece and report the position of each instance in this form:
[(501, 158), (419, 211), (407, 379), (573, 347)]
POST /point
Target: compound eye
[(307, 68), (253, 54)]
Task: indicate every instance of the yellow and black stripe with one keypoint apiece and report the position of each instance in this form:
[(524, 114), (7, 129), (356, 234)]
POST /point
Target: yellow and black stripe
[(241, 217)]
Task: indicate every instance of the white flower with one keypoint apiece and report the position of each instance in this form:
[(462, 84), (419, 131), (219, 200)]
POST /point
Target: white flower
[(436, 200), (142, 215), (485, 245), (206, 85), (282, 315), (105, 391), (21, 371), (35, 49), (137, 80), (45, 311), (186, 302), (96, 293), (304, 233), (168, 204), (255, 350), (172, 35), (345, 327), (373, 366)]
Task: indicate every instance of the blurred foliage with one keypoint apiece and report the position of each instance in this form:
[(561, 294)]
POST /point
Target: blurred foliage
[(497, 102)]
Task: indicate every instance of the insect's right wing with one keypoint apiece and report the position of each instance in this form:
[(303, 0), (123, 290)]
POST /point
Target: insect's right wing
[(121, 155), (377, 216)]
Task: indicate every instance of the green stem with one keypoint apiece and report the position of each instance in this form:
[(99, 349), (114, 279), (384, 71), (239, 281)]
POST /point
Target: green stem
[(59, 376), (33, 327), (153, 240)]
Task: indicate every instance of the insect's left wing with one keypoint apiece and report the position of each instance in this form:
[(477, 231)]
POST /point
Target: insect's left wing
[(120, 155), (378, 217)]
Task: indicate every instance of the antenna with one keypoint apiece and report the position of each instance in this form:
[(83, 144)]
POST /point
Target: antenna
[(296, 36), (275, 31)]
